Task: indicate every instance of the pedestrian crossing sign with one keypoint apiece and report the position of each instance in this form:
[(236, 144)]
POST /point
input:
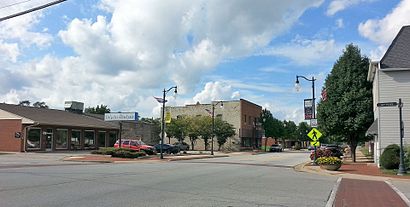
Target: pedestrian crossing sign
[(314, 134), (315, 143)]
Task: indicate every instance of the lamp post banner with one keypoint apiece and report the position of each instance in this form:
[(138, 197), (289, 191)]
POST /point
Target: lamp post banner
[(308, 106)]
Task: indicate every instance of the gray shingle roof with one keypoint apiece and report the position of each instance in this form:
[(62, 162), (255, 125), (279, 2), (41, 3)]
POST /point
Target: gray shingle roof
[(56, 117), (398, 54)]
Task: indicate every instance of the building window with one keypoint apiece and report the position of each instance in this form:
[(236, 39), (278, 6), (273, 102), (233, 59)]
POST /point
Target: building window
[(101, 139), (245, 119), (112, 138), (89, 139), (33, 138), (61, 139), (75, 139)]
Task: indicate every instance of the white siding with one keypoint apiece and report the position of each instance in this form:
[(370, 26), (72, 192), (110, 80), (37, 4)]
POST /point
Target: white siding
[(392, 86)]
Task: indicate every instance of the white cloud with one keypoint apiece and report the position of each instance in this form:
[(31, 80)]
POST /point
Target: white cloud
[(147, 45), (383, 31), (273, 69), (9, 51), (340, 5), (307, 52), (339, 23)]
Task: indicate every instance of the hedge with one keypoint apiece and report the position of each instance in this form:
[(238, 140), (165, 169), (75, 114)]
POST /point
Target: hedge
[(390, 158), (118, 152)]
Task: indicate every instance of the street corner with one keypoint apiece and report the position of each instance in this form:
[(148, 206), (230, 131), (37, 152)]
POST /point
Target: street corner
[(315, 169), (89, 158)]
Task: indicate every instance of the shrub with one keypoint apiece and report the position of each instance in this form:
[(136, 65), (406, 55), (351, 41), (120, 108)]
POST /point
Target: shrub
[(104, 151), (407, 156), (390, 158), (328, 161), (126, 153)]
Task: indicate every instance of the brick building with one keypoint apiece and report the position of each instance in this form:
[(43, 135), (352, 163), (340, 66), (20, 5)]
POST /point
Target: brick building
[(24, 128), (242, 114)]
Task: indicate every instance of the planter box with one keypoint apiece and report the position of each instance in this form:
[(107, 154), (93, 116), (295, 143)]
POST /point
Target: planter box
[(331, 167)]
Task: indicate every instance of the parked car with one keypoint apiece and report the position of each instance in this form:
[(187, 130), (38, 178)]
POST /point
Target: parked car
[(276, 148), (183, 146), (136, 145), (167, 148)]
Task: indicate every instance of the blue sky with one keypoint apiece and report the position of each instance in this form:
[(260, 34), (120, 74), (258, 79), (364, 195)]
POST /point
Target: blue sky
[(121, 53)]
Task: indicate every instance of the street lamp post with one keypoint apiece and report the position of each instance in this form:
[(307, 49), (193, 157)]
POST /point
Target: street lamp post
[(213, 124), (163, 118), (297, 87)]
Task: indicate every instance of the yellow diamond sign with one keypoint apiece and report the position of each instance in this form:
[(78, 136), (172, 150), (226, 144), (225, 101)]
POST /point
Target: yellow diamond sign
[(314, 134), (315, 144)]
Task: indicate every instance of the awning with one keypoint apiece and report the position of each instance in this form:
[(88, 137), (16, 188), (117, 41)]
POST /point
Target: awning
[(373, 129)]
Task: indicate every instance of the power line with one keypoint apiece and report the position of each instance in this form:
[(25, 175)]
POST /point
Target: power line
[(31, 10), (21, 2)]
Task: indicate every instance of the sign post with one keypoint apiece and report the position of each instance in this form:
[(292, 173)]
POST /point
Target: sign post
[(314, 135), (402, 168)]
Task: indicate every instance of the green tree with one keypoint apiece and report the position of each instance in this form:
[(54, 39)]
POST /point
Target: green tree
[(347, 112), (205, 129), (267, 123), (303, 130), (24, 103), (193, 130), (223, 130), (41, 104), (177, 128), (100, 109), (290, 130)]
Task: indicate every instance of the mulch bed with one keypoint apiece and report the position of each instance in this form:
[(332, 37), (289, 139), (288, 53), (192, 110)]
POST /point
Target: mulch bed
[(366, 169)]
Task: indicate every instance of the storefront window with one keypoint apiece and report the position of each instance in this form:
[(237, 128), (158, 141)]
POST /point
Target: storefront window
[(75, 139), (112, 138), (33, 139), (101, 139), (61, 139), (89, 139)]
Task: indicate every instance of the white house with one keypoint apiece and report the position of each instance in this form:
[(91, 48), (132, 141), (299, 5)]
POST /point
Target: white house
[(391, 80)]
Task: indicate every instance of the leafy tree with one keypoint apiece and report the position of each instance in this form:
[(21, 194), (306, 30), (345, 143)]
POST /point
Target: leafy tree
[(100, 109), (39, 104), (267, 123), (24, 103), (205, 129), (177, 128), (193, 130), (347, 112), (223, 130), (303, 130), (290, 130)]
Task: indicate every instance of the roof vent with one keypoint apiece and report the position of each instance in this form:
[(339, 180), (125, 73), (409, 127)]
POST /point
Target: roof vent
[(74, 107)]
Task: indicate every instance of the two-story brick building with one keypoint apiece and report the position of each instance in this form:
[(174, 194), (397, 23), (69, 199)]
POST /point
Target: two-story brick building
[(242, 114)]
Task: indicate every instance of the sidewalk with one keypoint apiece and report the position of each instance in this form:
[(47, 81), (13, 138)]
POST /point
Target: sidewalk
[(362, 184)]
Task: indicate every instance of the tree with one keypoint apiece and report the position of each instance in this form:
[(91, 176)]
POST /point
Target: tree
[(290, 130), (24, 103), (273, 127), (39, 104), (205, 129), (223, 130), (193, 130), (347, 112), (98, 110), (177, 128), (303, 130)]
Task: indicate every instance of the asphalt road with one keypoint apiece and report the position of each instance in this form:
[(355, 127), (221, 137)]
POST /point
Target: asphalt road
[(248, 180)]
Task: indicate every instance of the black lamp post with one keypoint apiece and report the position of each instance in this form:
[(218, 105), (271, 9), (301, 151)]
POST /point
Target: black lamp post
[(297, 87), (213, 124), (163, 118)]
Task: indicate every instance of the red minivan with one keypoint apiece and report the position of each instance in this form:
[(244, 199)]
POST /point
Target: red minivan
[(136, 145)]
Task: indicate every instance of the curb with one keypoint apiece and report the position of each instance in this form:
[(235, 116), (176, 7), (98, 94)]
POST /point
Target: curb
[(196, 158), (402, 196), (332, 196)]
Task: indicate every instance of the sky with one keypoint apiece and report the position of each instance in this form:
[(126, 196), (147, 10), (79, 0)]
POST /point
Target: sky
[(121, 53)]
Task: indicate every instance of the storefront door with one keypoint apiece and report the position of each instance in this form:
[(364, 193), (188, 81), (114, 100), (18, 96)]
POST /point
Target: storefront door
[(49, 139)]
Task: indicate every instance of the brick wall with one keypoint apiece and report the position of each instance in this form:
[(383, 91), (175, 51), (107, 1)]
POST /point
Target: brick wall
[(8, 128)]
